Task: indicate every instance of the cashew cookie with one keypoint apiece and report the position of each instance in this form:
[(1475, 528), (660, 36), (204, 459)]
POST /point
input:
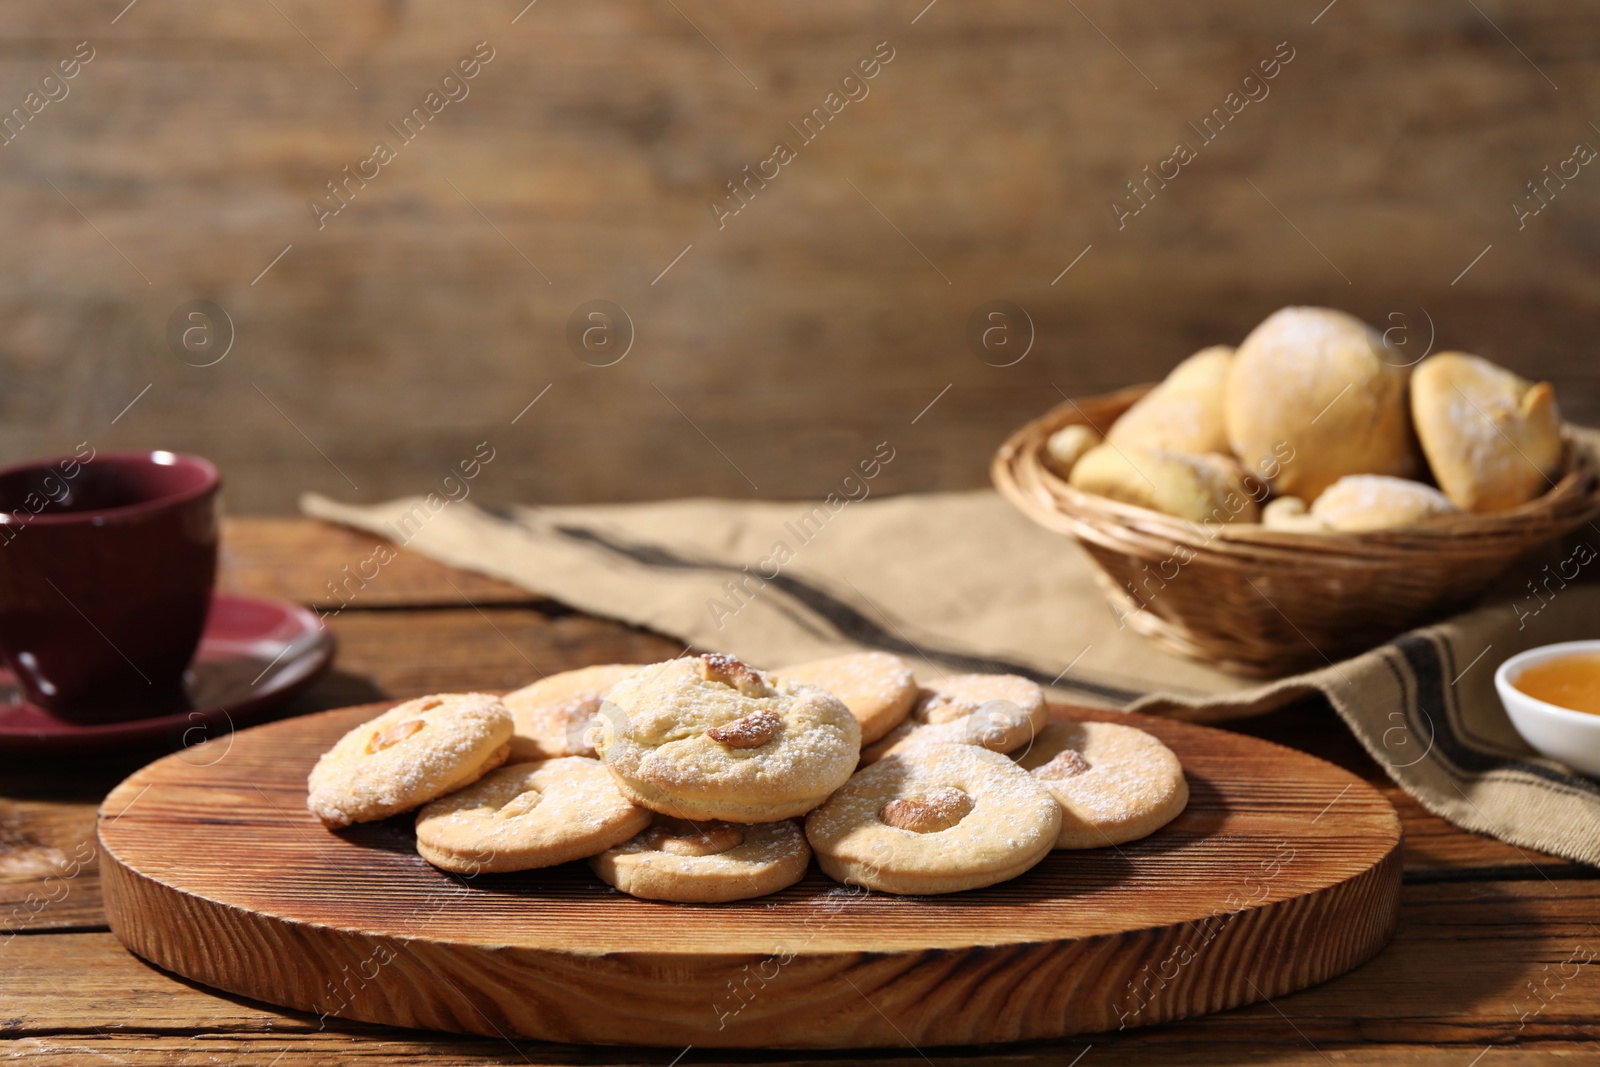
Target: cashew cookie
[(1000, 712), (555, 716), (879, 689), (706, 862), (412, 753), (935, 818), (712, 738), (528, 815), (1114, 783)]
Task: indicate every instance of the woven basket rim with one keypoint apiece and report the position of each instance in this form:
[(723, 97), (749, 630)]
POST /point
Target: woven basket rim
[(1020, 473)]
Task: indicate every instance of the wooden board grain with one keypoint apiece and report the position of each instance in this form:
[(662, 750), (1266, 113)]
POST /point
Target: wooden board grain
[(1470, 966), (1283, 872)]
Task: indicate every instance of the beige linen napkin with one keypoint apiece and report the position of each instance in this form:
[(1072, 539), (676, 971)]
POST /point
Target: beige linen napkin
[(963, 582)]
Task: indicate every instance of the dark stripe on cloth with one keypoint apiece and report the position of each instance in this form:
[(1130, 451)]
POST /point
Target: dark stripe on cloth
[(846, 620)]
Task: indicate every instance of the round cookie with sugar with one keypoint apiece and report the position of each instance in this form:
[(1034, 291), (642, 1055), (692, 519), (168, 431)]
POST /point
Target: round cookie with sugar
[(528, 815), (706, 862), (412, 753), (1115, 783), (558, 715), (936, 818), (710, 737), (878, 688), (1000, 712)]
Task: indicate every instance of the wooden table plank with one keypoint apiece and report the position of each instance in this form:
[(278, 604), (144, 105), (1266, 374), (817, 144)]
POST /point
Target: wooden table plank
[(136, 1050), (448, 649), (318, 564), (49, 874)]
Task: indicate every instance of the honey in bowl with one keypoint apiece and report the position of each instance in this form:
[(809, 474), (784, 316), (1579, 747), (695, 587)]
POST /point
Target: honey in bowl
[(1571, 681)]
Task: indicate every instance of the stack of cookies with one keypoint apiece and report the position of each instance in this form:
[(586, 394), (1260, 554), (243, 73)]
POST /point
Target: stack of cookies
[(703, 779), (1316, 423)]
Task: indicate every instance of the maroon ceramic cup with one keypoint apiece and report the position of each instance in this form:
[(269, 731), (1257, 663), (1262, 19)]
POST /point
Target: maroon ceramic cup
[(106, 566)]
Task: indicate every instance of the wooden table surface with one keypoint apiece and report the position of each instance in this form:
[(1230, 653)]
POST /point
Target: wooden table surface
[(1488, 967)]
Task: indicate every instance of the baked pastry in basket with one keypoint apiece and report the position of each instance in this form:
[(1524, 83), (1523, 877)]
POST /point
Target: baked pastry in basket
[(1314, 396), (1185, 412), (1209, 488), (1492, 438), (1360, 502)]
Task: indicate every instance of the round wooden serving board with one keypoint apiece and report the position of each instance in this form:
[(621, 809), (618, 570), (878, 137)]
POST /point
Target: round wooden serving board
[(1284, 871)]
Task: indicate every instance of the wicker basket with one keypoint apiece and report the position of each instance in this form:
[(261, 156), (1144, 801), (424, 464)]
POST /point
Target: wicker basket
[(1268, 602)]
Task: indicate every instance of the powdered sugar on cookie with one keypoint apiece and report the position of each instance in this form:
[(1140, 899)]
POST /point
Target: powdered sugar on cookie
[(390, 764), (711, 738), (1114, 783)]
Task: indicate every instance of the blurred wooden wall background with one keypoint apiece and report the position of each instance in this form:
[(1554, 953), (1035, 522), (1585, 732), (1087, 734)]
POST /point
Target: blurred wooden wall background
[(825, 316)]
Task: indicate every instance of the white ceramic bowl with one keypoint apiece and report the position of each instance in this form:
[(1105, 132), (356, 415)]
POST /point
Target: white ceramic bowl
[(1573, 737)]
